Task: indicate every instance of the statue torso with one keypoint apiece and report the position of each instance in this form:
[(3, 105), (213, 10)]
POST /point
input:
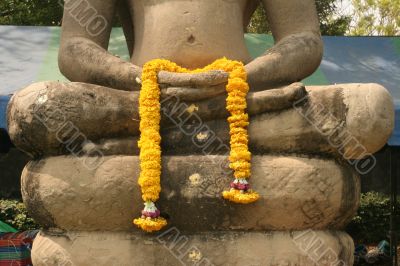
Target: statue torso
[(192, 33)]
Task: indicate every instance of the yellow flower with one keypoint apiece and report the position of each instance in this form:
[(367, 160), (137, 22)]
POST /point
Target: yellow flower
[(149, 143), (150, 225), (239, 197)]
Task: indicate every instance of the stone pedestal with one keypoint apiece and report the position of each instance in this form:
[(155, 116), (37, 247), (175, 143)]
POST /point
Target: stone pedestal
[(174, 247), (87, 198), (86, 202)]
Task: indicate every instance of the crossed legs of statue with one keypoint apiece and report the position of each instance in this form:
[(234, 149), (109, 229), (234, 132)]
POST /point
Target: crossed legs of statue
[(56, 118), (102, 113)]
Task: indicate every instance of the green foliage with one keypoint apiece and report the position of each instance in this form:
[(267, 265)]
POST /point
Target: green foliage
[(258, 22), (372, 222), (331, 23), (31, 12), (335, 26), (34, 13), (376, 17), (13, 212)]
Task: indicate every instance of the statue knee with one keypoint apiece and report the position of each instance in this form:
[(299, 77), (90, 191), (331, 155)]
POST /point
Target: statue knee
[(370, 114), (365, 112), (25, 121), (52, 117)]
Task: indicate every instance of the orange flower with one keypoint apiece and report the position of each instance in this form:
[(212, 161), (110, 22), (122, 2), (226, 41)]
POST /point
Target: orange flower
[(149, 143)]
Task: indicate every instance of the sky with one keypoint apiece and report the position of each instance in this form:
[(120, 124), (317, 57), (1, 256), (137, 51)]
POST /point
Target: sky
[(345, 6)]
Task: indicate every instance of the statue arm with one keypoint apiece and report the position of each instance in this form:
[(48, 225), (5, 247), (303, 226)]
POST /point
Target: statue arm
[(83, 55), (298, 47)]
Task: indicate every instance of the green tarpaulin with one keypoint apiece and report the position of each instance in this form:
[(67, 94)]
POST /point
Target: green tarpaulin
[(5, 228)]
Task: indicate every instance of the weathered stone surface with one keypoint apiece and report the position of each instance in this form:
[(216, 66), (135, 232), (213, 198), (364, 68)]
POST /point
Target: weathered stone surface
[(55, 117), (352, 120), (90, 193), (51, 118), (173, 247), (44, 118)]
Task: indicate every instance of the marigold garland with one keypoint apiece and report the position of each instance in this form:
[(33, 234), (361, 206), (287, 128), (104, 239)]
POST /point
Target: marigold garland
[(150, 139)]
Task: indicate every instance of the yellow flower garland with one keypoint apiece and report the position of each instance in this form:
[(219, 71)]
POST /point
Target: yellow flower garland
[(150, 139)]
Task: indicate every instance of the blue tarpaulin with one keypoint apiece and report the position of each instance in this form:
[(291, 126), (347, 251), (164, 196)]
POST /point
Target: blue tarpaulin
[(3, 110)]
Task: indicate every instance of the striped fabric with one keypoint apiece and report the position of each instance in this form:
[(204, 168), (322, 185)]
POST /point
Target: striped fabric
[(15, 248)]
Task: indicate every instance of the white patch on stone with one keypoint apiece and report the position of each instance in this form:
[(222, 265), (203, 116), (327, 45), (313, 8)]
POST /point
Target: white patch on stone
[(42, 99), (195, 255), (171, 194), (195, 179), (202, 136)]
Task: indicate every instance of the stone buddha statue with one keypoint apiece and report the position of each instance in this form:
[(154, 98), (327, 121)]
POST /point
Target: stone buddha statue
[(81, 184)]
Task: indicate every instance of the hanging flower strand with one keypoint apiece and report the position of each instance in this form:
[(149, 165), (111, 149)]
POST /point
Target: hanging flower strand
[(150, 139), (150, 151), (240, 155)]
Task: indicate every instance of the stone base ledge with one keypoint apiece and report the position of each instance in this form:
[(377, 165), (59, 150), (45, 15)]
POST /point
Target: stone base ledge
[(173, 247), (297, 193)]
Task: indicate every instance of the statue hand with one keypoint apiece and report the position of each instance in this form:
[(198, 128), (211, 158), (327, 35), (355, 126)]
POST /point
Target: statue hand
[(205, 79), (193, 94), (275, 99), (257, 102), (192, 87)]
